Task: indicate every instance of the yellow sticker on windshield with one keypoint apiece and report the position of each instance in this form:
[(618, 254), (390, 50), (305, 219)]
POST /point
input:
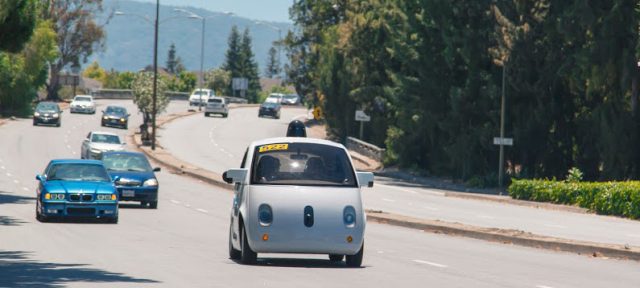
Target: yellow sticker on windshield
[(273, 147)]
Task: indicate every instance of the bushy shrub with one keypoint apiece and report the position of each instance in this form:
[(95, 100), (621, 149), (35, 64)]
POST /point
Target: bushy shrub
[(608, 198)]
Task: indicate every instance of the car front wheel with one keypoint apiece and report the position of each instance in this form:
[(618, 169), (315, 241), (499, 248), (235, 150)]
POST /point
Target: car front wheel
[(247, 256), (233, 253), (356, 260)]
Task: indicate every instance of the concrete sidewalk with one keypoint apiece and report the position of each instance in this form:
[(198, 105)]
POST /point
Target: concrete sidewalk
[(522, 238)]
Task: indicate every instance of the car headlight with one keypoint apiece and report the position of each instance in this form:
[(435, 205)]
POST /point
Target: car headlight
[(349, 216), (265, 215), (37, 114), (55, 115), (54, 196), (105, 118), (94, 150), (150, 182), (122, 119), (106, 197)]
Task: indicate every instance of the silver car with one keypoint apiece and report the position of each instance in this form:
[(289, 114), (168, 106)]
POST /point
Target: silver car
[(97, 143), (216, 105), (83, 104)]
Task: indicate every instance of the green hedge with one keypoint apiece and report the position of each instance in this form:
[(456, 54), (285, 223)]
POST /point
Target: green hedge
[(608, 198)]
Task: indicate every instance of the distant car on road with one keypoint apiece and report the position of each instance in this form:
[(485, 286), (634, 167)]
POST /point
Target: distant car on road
[(216, 105), (133, 176), (291, 99), (274, 98), (271, 109), (115, 116), (297, 195), (76, 188), (47, 113), (83, 104), (200, 97), (97, 143)]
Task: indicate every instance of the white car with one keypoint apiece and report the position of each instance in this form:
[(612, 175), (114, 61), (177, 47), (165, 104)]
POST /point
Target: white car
[(200, 97), (97, 143), (274, 98), (297, 195), (82, 104), (216, 105)]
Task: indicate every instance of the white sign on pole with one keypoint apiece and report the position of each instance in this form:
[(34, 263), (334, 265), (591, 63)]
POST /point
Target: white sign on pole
[(503, 141), (362, 117), (240, 83)]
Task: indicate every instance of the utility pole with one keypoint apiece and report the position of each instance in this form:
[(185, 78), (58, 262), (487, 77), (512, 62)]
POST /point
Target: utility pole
[(502, 112), (155, 79)]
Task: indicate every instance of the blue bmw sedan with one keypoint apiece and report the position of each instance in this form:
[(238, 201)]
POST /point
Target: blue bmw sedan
[(133, 176), (76, 188)]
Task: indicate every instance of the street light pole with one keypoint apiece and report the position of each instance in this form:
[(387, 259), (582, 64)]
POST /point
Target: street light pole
[(155, 79), (502, 112), (201, 63)]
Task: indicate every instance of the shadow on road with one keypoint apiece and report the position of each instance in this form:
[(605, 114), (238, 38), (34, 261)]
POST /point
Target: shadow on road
[(10, 221), (17, 270), (300, 263), (8, 198)]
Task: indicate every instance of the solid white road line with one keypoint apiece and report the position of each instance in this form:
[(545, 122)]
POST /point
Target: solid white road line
[(543, 286), (431, 208), (434, 193), (388, 200), (485, 217), (555, 226), (431, 263)]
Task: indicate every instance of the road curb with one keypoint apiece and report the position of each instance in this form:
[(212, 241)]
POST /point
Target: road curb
[(505, 236), (508, 236)]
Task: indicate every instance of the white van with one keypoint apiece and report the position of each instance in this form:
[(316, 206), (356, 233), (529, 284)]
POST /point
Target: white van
[(200, 97)]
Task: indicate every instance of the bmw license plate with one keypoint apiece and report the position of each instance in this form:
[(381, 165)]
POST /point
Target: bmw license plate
[(128, 193)]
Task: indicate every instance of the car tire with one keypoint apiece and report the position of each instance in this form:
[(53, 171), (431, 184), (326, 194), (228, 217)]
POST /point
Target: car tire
[(225, 115), (113, 220), (336, 258), (58, 124), (355, 260), (126, 126), (35, 123), (153, 204), (247, 256), (233, 253), (206, 114), (40, 217)]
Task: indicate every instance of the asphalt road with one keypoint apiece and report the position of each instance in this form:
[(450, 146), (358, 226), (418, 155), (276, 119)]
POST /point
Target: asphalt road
[(218, 144), (184, 242)]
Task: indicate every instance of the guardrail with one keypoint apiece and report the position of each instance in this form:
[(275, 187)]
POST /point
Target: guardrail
[(128, 94), (366, 149)]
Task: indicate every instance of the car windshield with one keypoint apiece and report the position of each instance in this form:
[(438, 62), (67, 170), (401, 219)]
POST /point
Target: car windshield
[(305, 164), (269, 104), (126, 162), (82, 99), (291, 97), (46, 107), (203, 93), (115, 110), (215, 100), (105, 138), (78, 172)]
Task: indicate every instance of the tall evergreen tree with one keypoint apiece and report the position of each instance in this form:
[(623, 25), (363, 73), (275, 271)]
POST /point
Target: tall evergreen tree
[(232, 57), (249, 66), (272, 68), (171, 60)]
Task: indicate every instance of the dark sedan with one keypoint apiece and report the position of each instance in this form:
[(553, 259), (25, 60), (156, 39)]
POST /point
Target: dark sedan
[(135, 179), (115, 116), (47, 113), (270, 109)]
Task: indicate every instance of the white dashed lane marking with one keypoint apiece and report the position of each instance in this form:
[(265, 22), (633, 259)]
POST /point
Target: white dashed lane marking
[(3, 168), (175, 202), (25, 188), (202, 210), (388, 200), (431, 263), (9, 175), (16, 181)]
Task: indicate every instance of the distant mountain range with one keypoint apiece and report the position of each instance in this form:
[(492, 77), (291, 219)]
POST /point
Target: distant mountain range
[(129, 42)]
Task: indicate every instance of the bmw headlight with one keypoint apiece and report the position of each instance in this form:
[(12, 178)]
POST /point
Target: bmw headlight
[(55, 115), (94, 150), (54, 196), (105, 118), (106, 197), (150, 182), (37, 114), (122, 119)]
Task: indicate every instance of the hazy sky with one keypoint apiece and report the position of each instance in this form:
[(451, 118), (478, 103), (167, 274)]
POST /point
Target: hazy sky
[(269, 10)]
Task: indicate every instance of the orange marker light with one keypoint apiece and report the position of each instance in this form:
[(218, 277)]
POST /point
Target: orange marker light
[(349, 239), (265, 237), (113, 197), (47, 196)]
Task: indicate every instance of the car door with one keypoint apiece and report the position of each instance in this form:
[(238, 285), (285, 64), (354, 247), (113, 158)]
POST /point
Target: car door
[(85, 147), (238, 194)]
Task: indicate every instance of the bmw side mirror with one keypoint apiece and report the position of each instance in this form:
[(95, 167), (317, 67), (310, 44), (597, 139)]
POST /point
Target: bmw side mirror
[(116, 179), (157, 169), (39, 177)]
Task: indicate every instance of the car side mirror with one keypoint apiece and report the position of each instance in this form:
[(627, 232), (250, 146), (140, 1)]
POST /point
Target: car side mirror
[(235, 175), (365, 178), (128, 115), (39, 177), (116, 179), (157, 169)]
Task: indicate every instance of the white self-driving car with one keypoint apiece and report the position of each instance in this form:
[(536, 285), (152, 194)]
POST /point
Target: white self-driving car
[(297, 195)]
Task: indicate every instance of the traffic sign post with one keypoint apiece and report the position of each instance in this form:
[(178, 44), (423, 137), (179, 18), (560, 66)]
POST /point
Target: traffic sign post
[(502, 141), (362, 117), (241, 84)]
